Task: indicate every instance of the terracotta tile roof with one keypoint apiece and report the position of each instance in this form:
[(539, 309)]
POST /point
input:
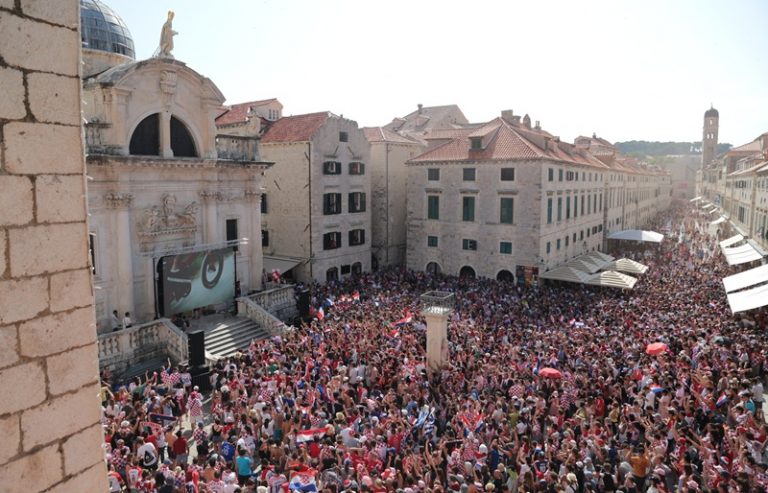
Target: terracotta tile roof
[(299, 128), (237, 113), (381, 134), (503, 141)]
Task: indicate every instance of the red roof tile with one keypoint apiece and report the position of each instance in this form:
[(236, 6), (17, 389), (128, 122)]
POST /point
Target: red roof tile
[(238, 113), (299, 128), (503, 141)]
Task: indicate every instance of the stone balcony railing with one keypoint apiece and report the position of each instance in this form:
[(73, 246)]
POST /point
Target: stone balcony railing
[(121, 350), (278, 300), (249, 308)]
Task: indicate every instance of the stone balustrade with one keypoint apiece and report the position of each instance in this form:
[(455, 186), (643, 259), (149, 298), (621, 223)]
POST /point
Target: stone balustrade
[(249, 308), (120, 350), (278, 301)]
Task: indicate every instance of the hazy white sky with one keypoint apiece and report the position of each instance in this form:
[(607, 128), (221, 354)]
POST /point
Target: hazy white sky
[(627, 70)]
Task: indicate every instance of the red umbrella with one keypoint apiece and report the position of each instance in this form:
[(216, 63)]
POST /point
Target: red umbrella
[(655, 348), (550, 373)]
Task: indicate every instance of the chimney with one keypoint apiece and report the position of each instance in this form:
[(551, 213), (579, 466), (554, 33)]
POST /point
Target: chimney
[(538, 125), (527, 121), (421, 106), (507, 115), (594, 135)]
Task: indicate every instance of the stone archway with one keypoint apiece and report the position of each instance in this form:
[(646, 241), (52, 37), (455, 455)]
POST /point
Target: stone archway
[(505, 276), (467, 272)]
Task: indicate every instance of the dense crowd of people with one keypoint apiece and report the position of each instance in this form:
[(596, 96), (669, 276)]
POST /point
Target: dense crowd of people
[(347, 402)]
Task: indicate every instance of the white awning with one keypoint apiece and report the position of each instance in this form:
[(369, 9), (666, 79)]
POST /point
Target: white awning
[(709, 206), (627, 265), (738, 250), (746, 279), (719, 220), (749, 299), (599, 256), (741, 254), (583, 264), (612, 279), (281, 264), (731, 241), (695, 199), (713, 211), (567, 274), (744, 258), (637, 235)]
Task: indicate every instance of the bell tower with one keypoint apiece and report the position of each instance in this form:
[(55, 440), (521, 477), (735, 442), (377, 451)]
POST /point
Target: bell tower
[(709, 138)]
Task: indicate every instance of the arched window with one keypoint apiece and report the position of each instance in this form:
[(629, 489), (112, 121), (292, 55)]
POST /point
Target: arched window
[(467, 272), (332, 274), (357, 268), (145, 140), (433, 268), (182, 143), (505, 276)]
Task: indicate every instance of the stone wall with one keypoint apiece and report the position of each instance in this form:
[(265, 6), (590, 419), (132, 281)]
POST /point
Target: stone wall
[(49, 411)]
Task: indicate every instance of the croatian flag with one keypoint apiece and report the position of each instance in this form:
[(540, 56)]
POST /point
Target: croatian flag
[(303, 481), (472, 421), (405, 320), (656, 389), (722, 400), (304, 436), (356, 296), (320, 314)]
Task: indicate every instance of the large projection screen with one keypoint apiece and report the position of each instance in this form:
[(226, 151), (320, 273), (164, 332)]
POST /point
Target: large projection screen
[(194, 280)]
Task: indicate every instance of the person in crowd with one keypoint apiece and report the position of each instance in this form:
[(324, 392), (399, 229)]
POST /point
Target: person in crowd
[(347, 402)]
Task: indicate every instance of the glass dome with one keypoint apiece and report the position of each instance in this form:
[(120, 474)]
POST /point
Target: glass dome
[(102, 29)]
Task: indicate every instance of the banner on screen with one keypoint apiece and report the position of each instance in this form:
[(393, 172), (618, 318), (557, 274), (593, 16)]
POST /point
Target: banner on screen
[(194, 280)]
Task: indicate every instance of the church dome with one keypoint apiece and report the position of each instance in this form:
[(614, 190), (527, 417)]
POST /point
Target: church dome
[(711, 113), (103, 30)]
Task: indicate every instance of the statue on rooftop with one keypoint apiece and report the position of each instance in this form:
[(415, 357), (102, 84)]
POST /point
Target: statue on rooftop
[(166, 38)]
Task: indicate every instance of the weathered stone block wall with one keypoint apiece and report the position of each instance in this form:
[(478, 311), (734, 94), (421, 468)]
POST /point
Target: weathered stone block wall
[(49, 411)]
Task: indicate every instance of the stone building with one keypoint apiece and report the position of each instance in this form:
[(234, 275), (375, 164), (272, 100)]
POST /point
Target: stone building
[(50, 410), (709, 136), (389, 174), (164, 182), (316, 214), (744, 197), (250, 118), (421, 123), (507, 200)]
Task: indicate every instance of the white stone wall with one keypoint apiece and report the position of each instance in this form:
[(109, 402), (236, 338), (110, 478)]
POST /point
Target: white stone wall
[(49, 414), (389, 176), (121, 193), (295, 186), (530, 232)]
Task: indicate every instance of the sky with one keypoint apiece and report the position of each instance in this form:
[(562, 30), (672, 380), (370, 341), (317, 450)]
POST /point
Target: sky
[(624, 69)]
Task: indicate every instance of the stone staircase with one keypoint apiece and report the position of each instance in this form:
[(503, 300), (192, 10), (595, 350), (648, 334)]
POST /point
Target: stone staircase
[(233, 335)]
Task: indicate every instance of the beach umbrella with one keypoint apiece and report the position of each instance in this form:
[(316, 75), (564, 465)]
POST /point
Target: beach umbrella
[(550, 373), (655, 348)]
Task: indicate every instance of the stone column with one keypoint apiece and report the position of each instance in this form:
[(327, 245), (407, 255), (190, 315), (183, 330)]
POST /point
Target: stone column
[(165, 134), (437, 335), (209, 199), (121, 203)]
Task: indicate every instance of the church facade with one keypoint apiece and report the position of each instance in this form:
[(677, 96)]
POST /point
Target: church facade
[(164, 183)]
